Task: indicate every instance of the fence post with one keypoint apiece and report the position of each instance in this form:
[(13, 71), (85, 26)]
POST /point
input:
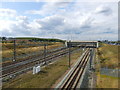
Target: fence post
[(45, 53), (91, 58), (69, 54), (69, 57), (14, 51)]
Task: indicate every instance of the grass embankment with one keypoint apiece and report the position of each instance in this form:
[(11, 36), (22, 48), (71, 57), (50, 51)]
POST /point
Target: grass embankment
[(107, 56), (104, 81), (7, 53), (46, 78)]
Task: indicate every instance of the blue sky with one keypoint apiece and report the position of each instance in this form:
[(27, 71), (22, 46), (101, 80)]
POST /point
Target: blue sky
[(64, 20), (21, 7)]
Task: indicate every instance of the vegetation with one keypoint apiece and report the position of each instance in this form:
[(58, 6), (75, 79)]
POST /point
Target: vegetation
[(104, 81), (107, 57), (47, 77), (7, 49), (32, 39), (26, 45)]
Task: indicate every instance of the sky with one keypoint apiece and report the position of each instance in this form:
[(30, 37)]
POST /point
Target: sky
[(64, 20)]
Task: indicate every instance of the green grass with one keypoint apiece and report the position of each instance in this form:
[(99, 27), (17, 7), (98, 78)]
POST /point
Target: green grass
[(46, 78), (110, 77), (104, 81)]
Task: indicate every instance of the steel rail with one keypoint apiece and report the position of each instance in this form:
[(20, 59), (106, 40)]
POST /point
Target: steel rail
[(32, 55), (72, 73), (41, 60), (74, 77), (48, 59), (29, 60)]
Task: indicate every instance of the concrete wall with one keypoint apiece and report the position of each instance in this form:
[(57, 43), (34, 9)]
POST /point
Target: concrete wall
[(82, 44)]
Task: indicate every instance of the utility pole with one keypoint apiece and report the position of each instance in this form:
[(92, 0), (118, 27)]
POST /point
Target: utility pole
[(69, 53), (14, 50), (69, 57), (45, 53)]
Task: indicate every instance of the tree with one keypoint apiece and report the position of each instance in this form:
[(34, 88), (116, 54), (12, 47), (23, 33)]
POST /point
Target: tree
[(4, 38)]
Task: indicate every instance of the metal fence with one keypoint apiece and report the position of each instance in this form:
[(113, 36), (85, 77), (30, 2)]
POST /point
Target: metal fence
[(110, 72)]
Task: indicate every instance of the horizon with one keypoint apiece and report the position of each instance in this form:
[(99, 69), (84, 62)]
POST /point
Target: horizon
[(58, 39)]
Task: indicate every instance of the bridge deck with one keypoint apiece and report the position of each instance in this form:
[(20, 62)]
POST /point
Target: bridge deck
[(82, 44)]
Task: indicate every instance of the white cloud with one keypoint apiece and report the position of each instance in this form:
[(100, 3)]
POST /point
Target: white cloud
[(7, 13), (81, 21), (104, 10), (49, 8)]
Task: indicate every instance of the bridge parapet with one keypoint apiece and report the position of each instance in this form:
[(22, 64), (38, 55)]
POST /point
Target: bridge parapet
[(89, 44)]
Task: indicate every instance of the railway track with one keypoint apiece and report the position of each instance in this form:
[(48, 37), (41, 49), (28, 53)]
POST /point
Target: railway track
[(31, 59), (14, 69), (72, 80), (29, 56)]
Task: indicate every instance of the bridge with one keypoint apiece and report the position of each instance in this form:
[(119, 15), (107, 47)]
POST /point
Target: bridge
[(87, 44)]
